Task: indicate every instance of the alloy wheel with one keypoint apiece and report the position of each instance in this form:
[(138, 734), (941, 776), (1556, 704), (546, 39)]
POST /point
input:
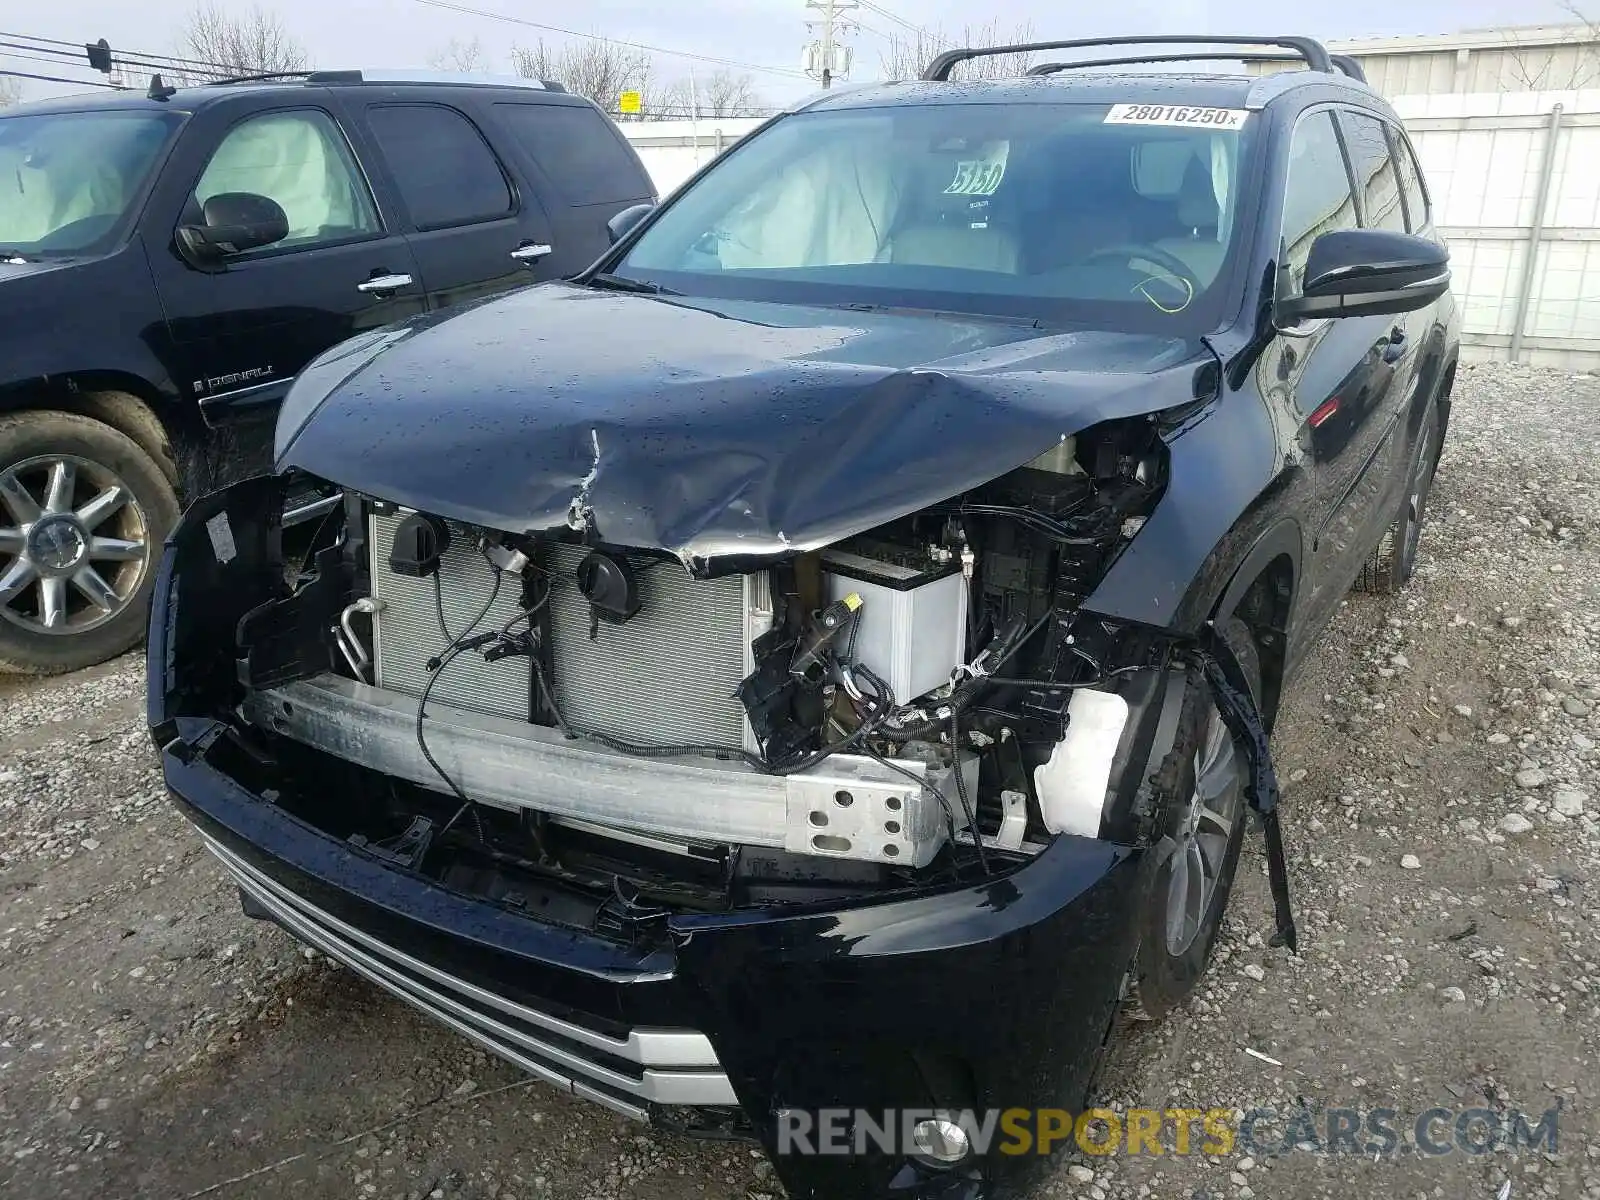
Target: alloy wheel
[(75, 545), (1216, 804)]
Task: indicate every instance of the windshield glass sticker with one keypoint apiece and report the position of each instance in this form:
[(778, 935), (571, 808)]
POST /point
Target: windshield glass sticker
[(1176, 114), (981, 176), (222, 544)]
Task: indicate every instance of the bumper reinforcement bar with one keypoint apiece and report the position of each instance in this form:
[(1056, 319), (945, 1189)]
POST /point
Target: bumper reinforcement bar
[(841, 807)]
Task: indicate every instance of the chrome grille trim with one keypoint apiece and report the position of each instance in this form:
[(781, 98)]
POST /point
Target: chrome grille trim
[(677, 1067)]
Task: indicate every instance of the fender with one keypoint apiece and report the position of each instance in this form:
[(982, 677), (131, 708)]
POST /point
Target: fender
[(1283, 540), (53, 341), (1226, 470)]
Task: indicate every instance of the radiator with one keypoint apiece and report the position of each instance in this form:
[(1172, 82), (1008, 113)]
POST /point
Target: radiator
[(667, 676), (406, 629)]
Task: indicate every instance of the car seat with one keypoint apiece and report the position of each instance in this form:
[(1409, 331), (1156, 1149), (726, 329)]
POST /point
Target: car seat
[(1198, 212)]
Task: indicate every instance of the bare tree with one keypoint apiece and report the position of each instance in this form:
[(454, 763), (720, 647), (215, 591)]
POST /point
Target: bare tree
[(10, 91), (1546, 68), (719, 94), (594, 68), (254, 42), (909, 54), (467, 57)]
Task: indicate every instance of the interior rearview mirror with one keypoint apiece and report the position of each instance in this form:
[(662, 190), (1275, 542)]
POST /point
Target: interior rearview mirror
[(621, 225), (1369, 272), (233, 222)]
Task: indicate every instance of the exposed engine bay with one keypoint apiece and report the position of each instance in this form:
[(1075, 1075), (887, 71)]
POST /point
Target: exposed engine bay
[(924, 698)]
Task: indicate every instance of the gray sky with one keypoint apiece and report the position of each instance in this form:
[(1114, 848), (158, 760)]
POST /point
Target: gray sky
[(770, 33)]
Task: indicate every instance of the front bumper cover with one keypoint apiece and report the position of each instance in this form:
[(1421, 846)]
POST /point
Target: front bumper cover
[(1008, 987)]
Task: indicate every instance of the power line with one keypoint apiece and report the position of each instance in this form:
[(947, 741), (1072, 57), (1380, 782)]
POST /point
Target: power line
[(54, 62), (896, 18), (166, 61), (593, 37), (60, 79), (65, 57)]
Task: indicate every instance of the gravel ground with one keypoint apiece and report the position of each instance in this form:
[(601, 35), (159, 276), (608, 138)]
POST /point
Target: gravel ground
[(1443, 824)]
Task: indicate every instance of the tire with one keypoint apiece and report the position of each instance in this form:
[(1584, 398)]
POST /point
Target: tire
[(128, 414), (1394, 559), (1172, 959), (83, 514)]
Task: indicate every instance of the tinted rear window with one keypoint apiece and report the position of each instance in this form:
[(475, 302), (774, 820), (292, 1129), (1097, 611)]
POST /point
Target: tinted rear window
[(578, 150), (1375, 172), (1411, 181), (446, 172)]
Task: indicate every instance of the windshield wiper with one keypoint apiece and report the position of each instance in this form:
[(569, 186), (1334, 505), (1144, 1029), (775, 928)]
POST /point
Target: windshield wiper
[(943, 314), (621, 283)]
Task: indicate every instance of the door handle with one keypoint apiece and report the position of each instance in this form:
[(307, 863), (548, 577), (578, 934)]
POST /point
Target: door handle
[(1394, 348), (532, 253), (384, 285)]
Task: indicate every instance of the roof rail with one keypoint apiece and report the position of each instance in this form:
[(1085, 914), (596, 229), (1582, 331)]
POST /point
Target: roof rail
[(412, 75), (1315, 55), (1350, 66), (1054, 68), (328, 78), (267, 77)]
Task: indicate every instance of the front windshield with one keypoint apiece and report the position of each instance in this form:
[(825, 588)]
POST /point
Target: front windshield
[(68, 180), (1119, 216)]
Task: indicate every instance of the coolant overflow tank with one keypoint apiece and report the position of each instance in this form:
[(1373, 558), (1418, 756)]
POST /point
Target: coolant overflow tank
[(1072, 784)]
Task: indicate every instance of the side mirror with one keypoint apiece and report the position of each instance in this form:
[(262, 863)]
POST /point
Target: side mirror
[(1369, 272), (621, 225), (234, 222)]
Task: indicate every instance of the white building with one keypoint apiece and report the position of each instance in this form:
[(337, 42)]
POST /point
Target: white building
[(674, 150), (1507, 124), (1533, 58)]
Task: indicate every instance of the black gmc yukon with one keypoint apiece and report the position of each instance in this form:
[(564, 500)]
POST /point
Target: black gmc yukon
[(170, 260)]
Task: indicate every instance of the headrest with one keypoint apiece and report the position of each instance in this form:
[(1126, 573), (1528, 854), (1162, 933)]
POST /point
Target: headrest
[(1197, 198)]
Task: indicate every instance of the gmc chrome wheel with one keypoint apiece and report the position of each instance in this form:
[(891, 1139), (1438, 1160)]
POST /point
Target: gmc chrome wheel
[(75, 546)]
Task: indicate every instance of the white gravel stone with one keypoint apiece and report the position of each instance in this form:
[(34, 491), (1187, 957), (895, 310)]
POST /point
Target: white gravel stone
[(1515, 823), (1569, 801), (1531, 777), (1411, 862)]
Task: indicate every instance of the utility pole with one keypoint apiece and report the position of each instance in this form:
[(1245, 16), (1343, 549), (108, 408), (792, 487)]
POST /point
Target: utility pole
[(828, 57)]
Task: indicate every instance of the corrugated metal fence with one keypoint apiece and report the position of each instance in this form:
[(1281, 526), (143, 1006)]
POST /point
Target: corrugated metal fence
[(1515, 179)]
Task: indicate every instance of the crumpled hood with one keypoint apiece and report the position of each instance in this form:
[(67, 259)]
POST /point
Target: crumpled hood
[(709, 429)]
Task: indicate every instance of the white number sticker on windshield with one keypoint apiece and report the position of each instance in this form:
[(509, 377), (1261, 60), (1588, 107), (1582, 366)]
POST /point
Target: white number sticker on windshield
[(981, 176), (1176, 114)]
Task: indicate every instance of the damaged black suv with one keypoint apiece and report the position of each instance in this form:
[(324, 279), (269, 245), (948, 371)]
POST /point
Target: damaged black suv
[(822, 656)]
